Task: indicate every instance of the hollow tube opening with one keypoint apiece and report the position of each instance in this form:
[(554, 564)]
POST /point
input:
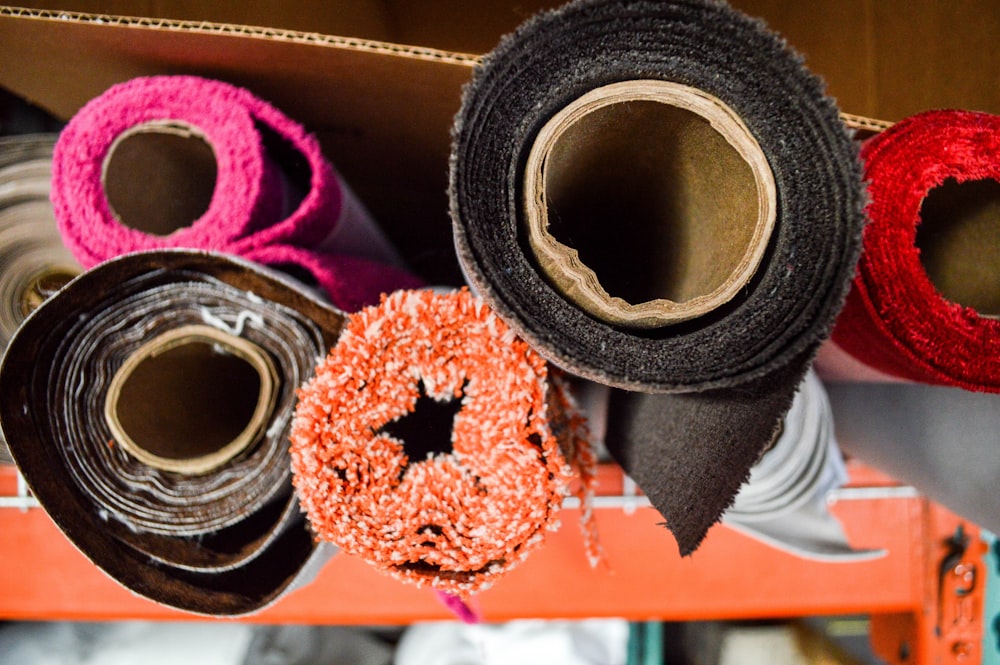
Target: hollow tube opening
[(160, 177), (959, 243), (190, 400), (648, 203)]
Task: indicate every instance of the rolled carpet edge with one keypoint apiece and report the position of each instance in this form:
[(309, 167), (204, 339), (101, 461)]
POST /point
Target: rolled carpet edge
[(183, 161), (898, 319), (266, 553), (735, 368), (434, 445), (33, 261), (490, 254)]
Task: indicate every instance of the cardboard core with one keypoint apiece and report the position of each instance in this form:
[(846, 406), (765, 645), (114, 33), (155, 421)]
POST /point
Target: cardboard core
[(959, 243), (191, 399), (42, 285), (648, 203), (159, 177)]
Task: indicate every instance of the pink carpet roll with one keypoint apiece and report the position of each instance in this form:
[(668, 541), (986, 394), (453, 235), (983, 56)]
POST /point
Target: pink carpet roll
[(349, 282), (186, 162)]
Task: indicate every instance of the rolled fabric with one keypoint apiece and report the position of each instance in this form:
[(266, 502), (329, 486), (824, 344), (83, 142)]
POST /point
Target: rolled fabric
[(924, 304), (784, 502), (658, 196), (33, 261), (148, 405), (182, 161), (939, 439), (428, 442)]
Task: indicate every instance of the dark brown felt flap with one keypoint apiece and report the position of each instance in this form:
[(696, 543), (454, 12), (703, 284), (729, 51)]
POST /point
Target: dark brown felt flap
[(691, 452)]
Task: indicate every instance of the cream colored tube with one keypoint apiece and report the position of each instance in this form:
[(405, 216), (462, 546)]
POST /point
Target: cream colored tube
[(648, 203), (150, 417)]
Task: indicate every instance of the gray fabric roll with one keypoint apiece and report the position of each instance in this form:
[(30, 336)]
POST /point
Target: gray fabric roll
[(944, 441), (784, 503)]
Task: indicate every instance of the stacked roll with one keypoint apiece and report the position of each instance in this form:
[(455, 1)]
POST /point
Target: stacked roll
[(148, 405), (923, 306), (658, 196), (33, 261), (919, 335)]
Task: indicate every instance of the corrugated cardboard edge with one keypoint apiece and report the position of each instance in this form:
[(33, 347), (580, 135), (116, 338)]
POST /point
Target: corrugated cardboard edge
[(258, 32), (864, 127), (853, 121)]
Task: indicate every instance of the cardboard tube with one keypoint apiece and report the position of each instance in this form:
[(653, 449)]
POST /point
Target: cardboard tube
[(665, 193), (191, 399), (959, 243), (205, 522), (159, 176)]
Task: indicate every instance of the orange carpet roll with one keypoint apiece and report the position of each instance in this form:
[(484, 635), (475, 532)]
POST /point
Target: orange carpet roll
[(428, 442)]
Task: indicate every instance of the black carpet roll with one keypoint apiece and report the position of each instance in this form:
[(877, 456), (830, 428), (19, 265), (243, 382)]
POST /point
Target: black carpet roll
[(147, 404), (631, 188)]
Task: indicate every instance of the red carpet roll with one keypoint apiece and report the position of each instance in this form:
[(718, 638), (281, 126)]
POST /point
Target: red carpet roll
[(923, 304), (428, 442)]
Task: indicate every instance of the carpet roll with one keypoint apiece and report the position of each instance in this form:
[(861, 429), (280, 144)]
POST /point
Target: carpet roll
[(33, 261), (658, 196), (431, 442), (148, 405), (924, 304), (182, 161)]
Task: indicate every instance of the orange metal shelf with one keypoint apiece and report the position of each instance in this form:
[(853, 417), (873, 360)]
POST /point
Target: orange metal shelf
[(730, 577)]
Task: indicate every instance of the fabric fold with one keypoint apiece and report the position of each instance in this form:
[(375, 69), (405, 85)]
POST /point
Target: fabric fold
[(784, 502)]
